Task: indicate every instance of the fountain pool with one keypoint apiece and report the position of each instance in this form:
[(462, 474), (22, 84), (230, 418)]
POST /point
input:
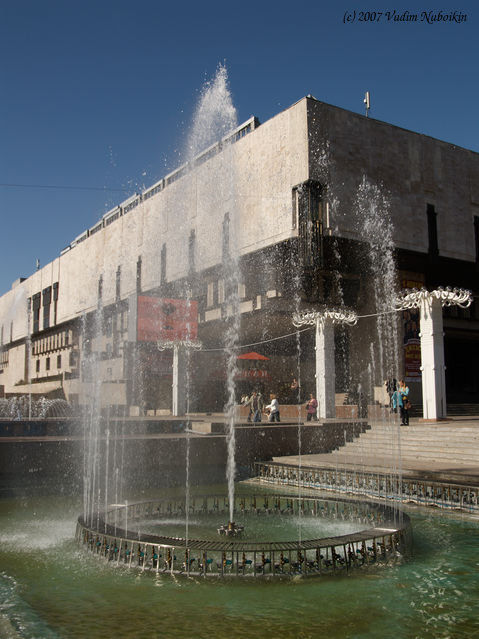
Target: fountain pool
[(50, 588), (275, 536)]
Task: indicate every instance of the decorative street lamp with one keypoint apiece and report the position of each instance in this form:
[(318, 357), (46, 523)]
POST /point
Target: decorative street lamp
[(325, 366), (430, 305)]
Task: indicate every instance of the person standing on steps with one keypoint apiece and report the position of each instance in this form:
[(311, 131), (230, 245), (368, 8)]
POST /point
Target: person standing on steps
[(311, 408), (404, 403)]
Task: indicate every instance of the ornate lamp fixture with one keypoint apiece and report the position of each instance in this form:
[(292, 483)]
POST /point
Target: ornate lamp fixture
[(164, 345), (412, 298), (335, 316)]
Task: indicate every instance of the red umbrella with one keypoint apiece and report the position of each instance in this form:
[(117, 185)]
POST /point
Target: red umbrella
[(253, 356)]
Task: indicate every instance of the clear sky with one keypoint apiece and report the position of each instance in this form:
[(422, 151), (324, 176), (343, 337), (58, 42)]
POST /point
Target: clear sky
[(99, 94)]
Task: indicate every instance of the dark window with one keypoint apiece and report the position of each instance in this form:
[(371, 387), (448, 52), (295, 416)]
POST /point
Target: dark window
[(55, 302), (37, 366), (116, 335), (476, 236), (163, 264), (310, 214), (226, 237), (47, 364), (118, 280), (36, 312), (138, 275), (294, 208), (432, 230), (47, 296), (191, 251), (108, 327), (46, 302), (59, 361)]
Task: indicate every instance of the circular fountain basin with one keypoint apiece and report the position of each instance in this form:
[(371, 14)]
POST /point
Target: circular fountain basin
[(278, 539)]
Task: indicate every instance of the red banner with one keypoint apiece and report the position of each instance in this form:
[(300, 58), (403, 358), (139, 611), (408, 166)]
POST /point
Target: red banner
[(412, 342), (166, 319)]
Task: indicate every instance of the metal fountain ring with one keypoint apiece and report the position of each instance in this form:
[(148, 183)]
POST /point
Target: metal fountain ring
[(111, 536)]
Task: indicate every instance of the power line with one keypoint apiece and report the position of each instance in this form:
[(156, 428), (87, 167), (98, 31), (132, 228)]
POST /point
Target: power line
[(308, 328), (64, 187), (266, 341)]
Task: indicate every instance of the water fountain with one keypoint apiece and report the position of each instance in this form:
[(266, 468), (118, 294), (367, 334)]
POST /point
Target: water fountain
[(262, 550), (104, 530), (273, 534), (24, 408)]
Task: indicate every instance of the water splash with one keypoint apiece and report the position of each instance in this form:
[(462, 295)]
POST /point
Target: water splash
[(215, 114), (376, 227), (23, 407)]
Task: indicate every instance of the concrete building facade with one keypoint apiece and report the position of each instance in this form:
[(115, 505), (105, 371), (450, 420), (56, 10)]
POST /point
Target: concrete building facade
[(276, 203)]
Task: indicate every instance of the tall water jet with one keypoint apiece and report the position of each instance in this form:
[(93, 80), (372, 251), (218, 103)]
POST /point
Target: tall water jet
[(376, 226), (377, 230), (215, 116)]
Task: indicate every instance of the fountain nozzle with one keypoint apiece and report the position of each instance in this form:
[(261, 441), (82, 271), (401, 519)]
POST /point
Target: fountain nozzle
[(231, 529)]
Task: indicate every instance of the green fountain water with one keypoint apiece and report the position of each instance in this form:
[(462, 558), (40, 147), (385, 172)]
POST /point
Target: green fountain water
[(51, 588)]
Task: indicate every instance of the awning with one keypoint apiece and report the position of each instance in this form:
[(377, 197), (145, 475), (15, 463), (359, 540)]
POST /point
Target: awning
[(253, 356)]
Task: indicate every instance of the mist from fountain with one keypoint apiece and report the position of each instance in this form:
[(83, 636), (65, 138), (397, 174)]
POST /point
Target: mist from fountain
[(214, 117), (94, 466), (376, 227)]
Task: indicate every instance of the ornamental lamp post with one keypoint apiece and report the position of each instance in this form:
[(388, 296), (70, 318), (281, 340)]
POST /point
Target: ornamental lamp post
[(430, 305), (324, 322), (180, 348)]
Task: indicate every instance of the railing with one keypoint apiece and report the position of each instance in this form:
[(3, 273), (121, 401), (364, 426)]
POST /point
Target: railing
[(132, 202), (383, 541), (373, 484)]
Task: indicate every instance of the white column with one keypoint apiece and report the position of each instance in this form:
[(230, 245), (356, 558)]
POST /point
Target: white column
[(179, 381), (432, 358), (325, 367)]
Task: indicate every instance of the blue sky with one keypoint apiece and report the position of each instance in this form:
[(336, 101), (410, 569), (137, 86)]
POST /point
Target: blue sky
[(101, 94)]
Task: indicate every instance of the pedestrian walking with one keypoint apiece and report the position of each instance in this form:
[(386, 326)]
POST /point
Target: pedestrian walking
[(256, 404), (273, 408)]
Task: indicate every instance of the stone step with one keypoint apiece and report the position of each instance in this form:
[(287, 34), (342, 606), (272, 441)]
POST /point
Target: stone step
[(462, 409), (431, 445), (433, 455), (417, 444), (407, 436), (418, 439), (426, 428), (433, 449)]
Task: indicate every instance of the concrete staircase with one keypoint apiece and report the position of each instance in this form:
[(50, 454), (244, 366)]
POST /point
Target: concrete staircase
[(462, 409), (454, 443)]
